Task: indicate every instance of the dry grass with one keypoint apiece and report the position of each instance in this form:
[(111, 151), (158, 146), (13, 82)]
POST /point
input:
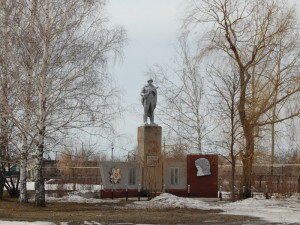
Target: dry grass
[(76, 213)]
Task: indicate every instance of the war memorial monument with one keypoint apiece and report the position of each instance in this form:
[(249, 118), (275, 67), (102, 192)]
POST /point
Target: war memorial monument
[(149, 142), (195, 176)]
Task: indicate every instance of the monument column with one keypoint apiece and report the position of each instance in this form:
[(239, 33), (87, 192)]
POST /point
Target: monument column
[(149, 153)]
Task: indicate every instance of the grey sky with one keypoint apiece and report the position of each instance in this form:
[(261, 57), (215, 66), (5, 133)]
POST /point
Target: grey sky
[(152, 28)]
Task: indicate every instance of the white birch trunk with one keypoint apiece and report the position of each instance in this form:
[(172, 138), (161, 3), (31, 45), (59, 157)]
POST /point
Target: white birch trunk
[(23, 177), (25, 148), (2, 180), (39, 179)]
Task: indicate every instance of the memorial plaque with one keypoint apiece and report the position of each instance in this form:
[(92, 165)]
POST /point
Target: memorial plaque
[(152, 160), (202, 175), (203, 167), (115, 175)]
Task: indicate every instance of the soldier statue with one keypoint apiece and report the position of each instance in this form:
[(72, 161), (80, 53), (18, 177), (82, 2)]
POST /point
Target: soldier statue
[(149, 99)]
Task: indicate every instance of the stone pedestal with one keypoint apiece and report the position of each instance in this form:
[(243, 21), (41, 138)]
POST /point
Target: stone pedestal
[(149, 156)]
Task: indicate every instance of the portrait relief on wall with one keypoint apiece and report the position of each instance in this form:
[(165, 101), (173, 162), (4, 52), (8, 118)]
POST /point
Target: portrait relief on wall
[(203, 167)]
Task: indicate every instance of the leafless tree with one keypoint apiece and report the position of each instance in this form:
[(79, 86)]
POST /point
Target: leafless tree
[(225, 91), (77, 165), (17, 106), (285, 132), (6, 92), (262, 38), (176, 151), (181, 87), (60, 57)]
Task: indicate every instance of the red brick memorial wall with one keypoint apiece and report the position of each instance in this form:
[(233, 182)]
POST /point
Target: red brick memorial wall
[(203, 186)]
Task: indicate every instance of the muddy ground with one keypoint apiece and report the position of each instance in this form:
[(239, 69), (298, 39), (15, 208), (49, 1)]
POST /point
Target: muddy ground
[(113, 213)]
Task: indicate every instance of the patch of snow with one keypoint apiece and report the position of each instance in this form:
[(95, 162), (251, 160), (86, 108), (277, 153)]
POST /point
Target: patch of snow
[(25, 223), (30, 185), (74, 197), (92, 223), (69, 186), (295, 196), (50, 180), (166, 200), (282, 211)]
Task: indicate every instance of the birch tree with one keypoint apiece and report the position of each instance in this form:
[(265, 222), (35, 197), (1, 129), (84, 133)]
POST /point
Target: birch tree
[(6, 92), (18, 107), (224, 93), (181, 87), (261, 37), (62, 80)]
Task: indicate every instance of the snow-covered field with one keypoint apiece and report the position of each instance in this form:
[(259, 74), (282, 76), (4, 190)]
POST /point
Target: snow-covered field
[(280, 211)]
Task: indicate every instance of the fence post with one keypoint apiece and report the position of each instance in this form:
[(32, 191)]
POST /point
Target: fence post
[(189, 189), (267, 194), (260, 178), (164, 188), (243, 191), (236, 192), (220, 193), (139, 192), (126, 188), (101, 191), (252, 192), (298, 185)]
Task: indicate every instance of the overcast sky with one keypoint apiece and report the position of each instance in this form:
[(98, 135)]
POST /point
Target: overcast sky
[(152, 28)]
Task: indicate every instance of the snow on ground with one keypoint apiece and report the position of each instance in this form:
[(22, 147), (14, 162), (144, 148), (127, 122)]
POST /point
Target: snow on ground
[(44, 223), (25, 223), (70, 186), (166, 200), (79, 199), (281, 211), (83, 194), (76, 197)]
